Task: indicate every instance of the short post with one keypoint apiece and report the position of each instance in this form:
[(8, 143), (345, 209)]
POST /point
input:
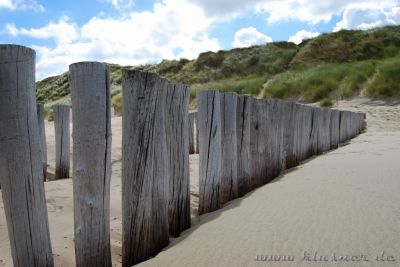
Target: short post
[(243, 116), (21, 167), (62, 137), (229, 155), (90, 96), (145, 170), (42, 133), (177, 136), (209, 122)]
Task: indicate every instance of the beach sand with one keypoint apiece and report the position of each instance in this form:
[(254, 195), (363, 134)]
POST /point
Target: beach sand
[(343, 203)]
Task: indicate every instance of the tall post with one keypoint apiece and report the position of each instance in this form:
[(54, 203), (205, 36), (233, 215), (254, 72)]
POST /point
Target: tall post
[(243, 117), (229, 178), (334, 128), (145, 172), (177, 106), (42, 133), (21, 168), (192, 149), (209, 122), (316, 129), (90, 96), (62, 137)]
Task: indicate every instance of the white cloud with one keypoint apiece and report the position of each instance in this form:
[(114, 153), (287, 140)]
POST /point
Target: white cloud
[(61, 31), (121, 4), (302, 35), (310, 11), (249, 36), (366, 16), (173, 29), (21, 5)]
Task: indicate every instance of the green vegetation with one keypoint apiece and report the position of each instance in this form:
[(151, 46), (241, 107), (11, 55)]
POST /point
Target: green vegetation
[(326, 68)]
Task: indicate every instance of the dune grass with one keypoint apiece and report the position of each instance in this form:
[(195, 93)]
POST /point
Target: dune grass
[(386, 81)]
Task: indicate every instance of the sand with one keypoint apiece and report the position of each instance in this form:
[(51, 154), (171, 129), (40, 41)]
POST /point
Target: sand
[(343, 203)]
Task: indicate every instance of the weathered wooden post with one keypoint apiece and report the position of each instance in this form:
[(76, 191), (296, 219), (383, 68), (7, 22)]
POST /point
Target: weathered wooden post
[(177, 136), (62, 137), (42, 133), (324, 139), (334, 128), (343, 135), (229, 156), (196, 131), (289, 133), (308, 124), (21, 168), (90, 96), (209, 122), (243, 117), (145, 170), (316, 130), (192, 149)]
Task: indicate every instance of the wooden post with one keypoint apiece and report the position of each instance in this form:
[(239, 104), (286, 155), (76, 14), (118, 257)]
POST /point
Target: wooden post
[(324, 139), (177, 136), (288, 117), (62, 137), (316, 129), (229, 155), (90, 96), (343, 135), (42, 133), (192, 149), (274, 133), (196, 133), (334, 128), (209, 122), (243, 117), (21, 168), (308, 124), (145, 171)]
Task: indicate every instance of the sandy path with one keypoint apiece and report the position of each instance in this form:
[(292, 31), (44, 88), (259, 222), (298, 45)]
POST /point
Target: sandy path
[(346, 202)]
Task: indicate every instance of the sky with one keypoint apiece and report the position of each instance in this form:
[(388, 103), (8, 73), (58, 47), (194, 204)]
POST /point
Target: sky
[(134, 32)]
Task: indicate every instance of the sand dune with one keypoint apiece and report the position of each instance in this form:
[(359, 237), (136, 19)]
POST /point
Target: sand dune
[(345, 202)]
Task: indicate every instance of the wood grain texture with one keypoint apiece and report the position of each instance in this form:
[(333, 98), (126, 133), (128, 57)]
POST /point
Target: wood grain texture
[(324, 138), (316, 130), (21, 167), (177, 138), (145, 172), (258, 142), (90, 96), (209, 122), (229, 156), (192, 144), (344, 126), (334, 128), (289, 133), (62, 138), (243, 118), (42, 134)]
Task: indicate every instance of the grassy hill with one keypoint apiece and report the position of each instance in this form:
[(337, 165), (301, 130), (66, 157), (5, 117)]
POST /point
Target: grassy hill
[(325, 68)]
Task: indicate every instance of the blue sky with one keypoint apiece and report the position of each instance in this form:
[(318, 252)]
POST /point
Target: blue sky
[(132, 32)]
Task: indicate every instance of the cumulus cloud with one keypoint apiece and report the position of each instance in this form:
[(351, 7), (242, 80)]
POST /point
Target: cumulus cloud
[(120, 4), (62, 31), (366, 16), (21, 5), (172, 29), (249, 36), (299, 36), (310, 11)]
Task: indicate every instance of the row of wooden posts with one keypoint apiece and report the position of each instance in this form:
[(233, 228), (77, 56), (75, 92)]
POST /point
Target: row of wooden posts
[(155, 161), (243, 143)]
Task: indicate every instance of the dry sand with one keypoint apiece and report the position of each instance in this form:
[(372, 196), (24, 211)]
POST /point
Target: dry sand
[(345, 202)]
